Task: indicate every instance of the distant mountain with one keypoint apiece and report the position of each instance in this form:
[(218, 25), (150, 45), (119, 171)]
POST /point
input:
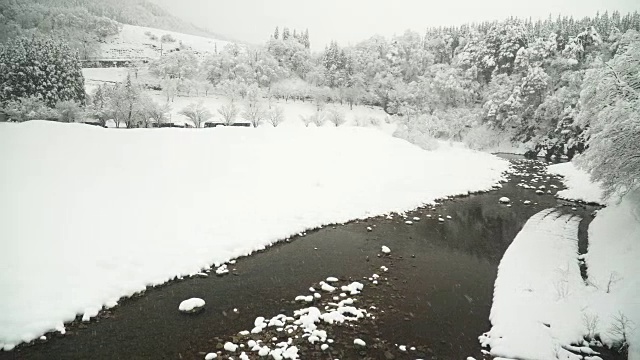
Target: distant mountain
[(18, 16)]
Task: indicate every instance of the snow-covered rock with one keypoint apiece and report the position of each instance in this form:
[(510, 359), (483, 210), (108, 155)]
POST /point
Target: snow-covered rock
[(359, 342), (192, 305), (231, 347), (385, 249), (504, 200)]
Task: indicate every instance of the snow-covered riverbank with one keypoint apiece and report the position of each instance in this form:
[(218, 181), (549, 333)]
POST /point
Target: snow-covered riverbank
[(89, 215), (545, 310)]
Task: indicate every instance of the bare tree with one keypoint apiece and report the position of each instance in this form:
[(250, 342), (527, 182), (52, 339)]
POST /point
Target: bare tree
[(197, 113), (336, 117), (317, 118), (613, 279), (276, 116), (254, 113), (620, 328), (590, 322), (229, 112), (157, 112)]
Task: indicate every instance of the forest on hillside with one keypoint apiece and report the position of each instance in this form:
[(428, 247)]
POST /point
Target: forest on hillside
[(514, 80), (83, 23), (558, 84)]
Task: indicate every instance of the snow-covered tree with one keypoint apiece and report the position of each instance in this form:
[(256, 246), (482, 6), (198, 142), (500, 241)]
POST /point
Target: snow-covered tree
[(197, 113), (158, 113), (43, 68), (69, 111), (317, 118), (610, 107), (176, 65), (336, 117), (125, 103), (29, 108), (254, 113), (229, 112), (169, 88), (276, 116)]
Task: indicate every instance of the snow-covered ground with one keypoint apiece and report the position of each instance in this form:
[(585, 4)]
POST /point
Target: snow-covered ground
[(186, 199), (94, 77), (542, 308), (134, 43), (360, 115), (292, 111), (578, 183), (534, 311), (613, 267)]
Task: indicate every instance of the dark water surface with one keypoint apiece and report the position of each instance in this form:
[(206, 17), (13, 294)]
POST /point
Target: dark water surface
[(437, 297)]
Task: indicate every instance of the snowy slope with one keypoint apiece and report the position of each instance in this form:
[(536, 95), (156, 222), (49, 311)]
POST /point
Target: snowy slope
[(133, 43), (578, 183), (185, 199), (613, 266), (536, 310)]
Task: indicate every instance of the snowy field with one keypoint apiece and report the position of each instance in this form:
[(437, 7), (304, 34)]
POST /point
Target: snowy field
[(133, 42), (542, 307), (360, 115), (292, 111), (94, 77), (184, 200)]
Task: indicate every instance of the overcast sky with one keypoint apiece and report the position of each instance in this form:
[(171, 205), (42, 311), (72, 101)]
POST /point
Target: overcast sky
[(349, 21)]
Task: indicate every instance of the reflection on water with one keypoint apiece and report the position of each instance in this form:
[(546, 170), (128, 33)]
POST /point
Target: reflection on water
[(438, 298)]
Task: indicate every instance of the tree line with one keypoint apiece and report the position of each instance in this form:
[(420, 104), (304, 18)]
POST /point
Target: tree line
[(537, 83)]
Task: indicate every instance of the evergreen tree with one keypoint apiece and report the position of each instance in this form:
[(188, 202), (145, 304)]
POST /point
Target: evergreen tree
[(42, 68), (276, 34), (305, 39), (285, 33)]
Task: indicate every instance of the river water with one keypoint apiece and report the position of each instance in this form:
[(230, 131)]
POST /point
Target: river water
[(436, 297)]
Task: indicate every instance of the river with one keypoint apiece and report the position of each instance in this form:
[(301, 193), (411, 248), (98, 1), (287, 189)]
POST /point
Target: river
[(436, 297)]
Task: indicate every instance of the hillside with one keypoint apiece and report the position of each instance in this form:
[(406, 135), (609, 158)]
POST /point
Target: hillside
[(86, 24), (139, 42), (41, 14)]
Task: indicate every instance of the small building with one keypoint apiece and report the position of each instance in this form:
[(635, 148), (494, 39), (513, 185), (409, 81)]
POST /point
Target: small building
[(241, 123)]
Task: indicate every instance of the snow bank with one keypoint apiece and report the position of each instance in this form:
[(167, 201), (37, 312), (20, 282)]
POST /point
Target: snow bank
[(542, 308), (578, 183), (534, 312), (89, 215), (613, 267)]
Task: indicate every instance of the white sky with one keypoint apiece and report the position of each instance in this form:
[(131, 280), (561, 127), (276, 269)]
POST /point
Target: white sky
[(349, 21)]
